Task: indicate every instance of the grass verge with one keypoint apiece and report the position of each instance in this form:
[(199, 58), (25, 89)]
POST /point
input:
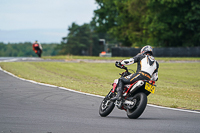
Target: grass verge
[(72, 57), (178, 84)]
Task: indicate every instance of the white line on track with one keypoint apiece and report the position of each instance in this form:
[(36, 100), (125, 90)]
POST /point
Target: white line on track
[(63, 88)]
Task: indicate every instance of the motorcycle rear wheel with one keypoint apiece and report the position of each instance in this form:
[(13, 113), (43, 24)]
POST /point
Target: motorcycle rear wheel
[(106, 107), (141, 102)]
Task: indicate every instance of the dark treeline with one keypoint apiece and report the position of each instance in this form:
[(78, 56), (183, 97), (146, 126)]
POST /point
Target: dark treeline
[(129, 23), (135, 23), (164, 23), (83, 40), (25, 49)]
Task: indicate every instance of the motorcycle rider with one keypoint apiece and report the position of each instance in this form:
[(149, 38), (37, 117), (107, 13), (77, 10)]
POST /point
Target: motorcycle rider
[(147, 69), (37, 47)]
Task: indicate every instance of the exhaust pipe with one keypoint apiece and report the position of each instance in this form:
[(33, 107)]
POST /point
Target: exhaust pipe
[(136, 86)]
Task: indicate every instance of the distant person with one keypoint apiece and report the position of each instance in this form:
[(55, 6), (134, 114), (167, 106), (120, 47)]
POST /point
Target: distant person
[(37, 47)]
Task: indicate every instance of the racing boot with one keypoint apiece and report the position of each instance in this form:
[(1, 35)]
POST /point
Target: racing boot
[(118, 97)]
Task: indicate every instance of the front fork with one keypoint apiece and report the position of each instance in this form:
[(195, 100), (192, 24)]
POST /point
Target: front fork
[(111, 92), (114, 87), (110, 95)]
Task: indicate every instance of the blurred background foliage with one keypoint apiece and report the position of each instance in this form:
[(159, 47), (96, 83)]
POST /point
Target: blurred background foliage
[(25, 49), (164, 23), (135, 23), (129, 23)]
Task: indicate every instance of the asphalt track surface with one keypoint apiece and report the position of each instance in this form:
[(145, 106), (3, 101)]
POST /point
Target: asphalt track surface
[(27, 107)]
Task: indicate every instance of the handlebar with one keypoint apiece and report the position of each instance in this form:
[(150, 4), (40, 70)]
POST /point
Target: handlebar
[(126, 73), (119, 65)]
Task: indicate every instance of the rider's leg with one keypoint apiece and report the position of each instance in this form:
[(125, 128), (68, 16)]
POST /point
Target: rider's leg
[(125, 80), (119, 90)]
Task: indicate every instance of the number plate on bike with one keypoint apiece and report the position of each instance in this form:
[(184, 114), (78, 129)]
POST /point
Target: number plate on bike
[(150, 87)]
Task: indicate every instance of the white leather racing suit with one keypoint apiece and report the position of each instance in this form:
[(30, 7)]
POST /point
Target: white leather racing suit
[(146, 64), (147, 69)]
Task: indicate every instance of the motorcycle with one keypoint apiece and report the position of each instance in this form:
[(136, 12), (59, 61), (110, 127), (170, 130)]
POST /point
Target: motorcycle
[(38, 52), (37, 49), (134, 98)]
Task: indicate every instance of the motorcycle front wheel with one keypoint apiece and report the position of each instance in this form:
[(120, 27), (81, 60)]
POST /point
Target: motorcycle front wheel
[(106, 107), (140, 105), (39, 52)]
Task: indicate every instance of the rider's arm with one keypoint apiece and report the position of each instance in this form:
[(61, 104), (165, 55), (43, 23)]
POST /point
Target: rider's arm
[(33, 46), (40, 46), (135, 59), (155, 74), (127, 61)]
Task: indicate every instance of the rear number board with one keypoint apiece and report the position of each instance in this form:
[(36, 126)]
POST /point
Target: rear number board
[(150, 87)]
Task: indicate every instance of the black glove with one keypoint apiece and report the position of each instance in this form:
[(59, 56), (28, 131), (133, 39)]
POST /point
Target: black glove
[(118, 64)]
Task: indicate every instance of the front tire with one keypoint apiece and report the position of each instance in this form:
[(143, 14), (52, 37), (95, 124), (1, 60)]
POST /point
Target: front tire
[(39, 52), (138, 109), (106, 107)]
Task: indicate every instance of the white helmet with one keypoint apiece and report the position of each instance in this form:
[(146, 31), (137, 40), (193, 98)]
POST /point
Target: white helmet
[(147, 49)]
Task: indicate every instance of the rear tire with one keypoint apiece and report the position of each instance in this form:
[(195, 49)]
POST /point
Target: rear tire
[(141, 102), (106, 107)]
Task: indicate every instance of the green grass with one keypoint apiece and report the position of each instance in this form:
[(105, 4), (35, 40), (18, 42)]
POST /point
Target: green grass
[(165, 59), (177, 87), (72, 57)]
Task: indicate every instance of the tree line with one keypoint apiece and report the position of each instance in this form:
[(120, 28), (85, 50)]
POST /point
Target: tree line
[(130, 23), (84, 40), (162, 23), (25, 49), (135, 23)]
